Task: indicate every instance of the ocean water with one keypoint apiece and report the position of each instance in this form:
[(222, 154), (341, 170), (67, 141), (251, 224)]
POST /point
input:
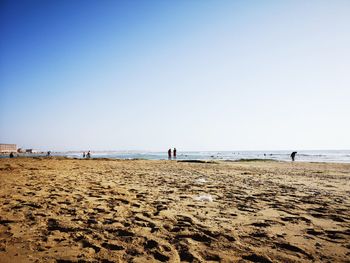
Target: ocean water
[(337, 156), (340, 156)]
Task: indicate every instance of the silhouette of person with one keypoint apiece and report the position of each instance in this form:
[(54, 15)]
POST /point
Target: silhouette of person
[(88, 155), (169, 154), (12, 155), (293, 156), (48, 153), (174, 153), (84, 155)]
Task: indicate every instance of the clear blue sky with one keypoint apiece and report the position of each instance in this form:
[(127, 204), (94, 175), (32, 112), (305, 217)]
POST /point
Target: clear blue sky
[(198, 75)]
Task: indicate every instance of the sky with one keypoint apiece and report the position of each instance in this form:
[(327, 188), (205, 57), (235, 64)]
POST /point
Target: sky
[(196, 75)]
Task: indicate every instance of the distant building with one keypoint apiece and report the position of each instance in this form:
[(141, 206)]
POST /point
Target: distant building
[(6, 148)]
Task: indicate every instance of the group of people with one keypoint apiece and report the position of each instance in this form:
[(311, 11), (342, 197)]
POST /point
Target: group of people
[(174, 154), (88, 155)]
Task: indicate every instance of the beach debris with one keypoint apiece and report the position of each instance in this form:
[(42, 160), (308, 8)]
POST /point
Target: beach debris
[(201, 180), (205, 198)]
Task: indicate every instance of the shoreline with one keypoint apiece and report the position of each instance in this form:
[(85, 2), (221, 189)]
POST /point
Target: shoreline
[(59, 157)]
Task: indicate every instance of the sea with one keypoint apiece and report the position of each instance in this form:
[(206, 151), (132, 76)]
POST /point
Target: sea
[(337, 156), (334, 156)]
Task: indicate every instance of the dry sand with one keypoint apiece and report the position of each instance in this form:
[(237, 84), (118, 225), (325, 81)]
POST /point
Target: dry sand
[(61, 210)]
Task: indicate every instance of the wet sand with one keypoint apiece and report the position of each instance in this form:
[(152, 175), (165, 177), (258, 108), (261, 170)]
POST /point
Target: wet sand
[(64, 210)]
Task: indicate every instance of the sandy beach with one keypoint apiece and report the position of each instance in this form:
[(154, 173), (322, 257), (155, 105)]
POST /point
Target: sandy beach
[(67, 210)]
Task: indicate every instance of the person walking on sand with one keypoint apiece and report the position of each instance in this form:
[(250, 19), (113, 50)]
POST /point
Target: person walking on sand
[(84, 155), (174, 153), (293, 156), (169, 154), (88, 155)]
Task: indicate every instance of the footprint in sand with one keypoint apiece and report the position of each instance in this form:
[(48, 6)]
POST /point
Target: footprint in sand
[(256, 258)]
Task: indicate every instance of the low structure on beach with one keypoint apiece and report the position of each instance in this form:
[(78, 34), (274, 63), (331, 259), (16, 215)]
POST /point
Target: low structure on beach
[(5, 148), (31, 151)]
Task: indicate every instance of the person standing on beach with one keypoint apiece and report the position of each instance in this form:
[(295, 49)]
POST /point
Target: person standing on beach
[(169, 154), (83, 154), (293, 156), (88, 155), (174, 153)]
